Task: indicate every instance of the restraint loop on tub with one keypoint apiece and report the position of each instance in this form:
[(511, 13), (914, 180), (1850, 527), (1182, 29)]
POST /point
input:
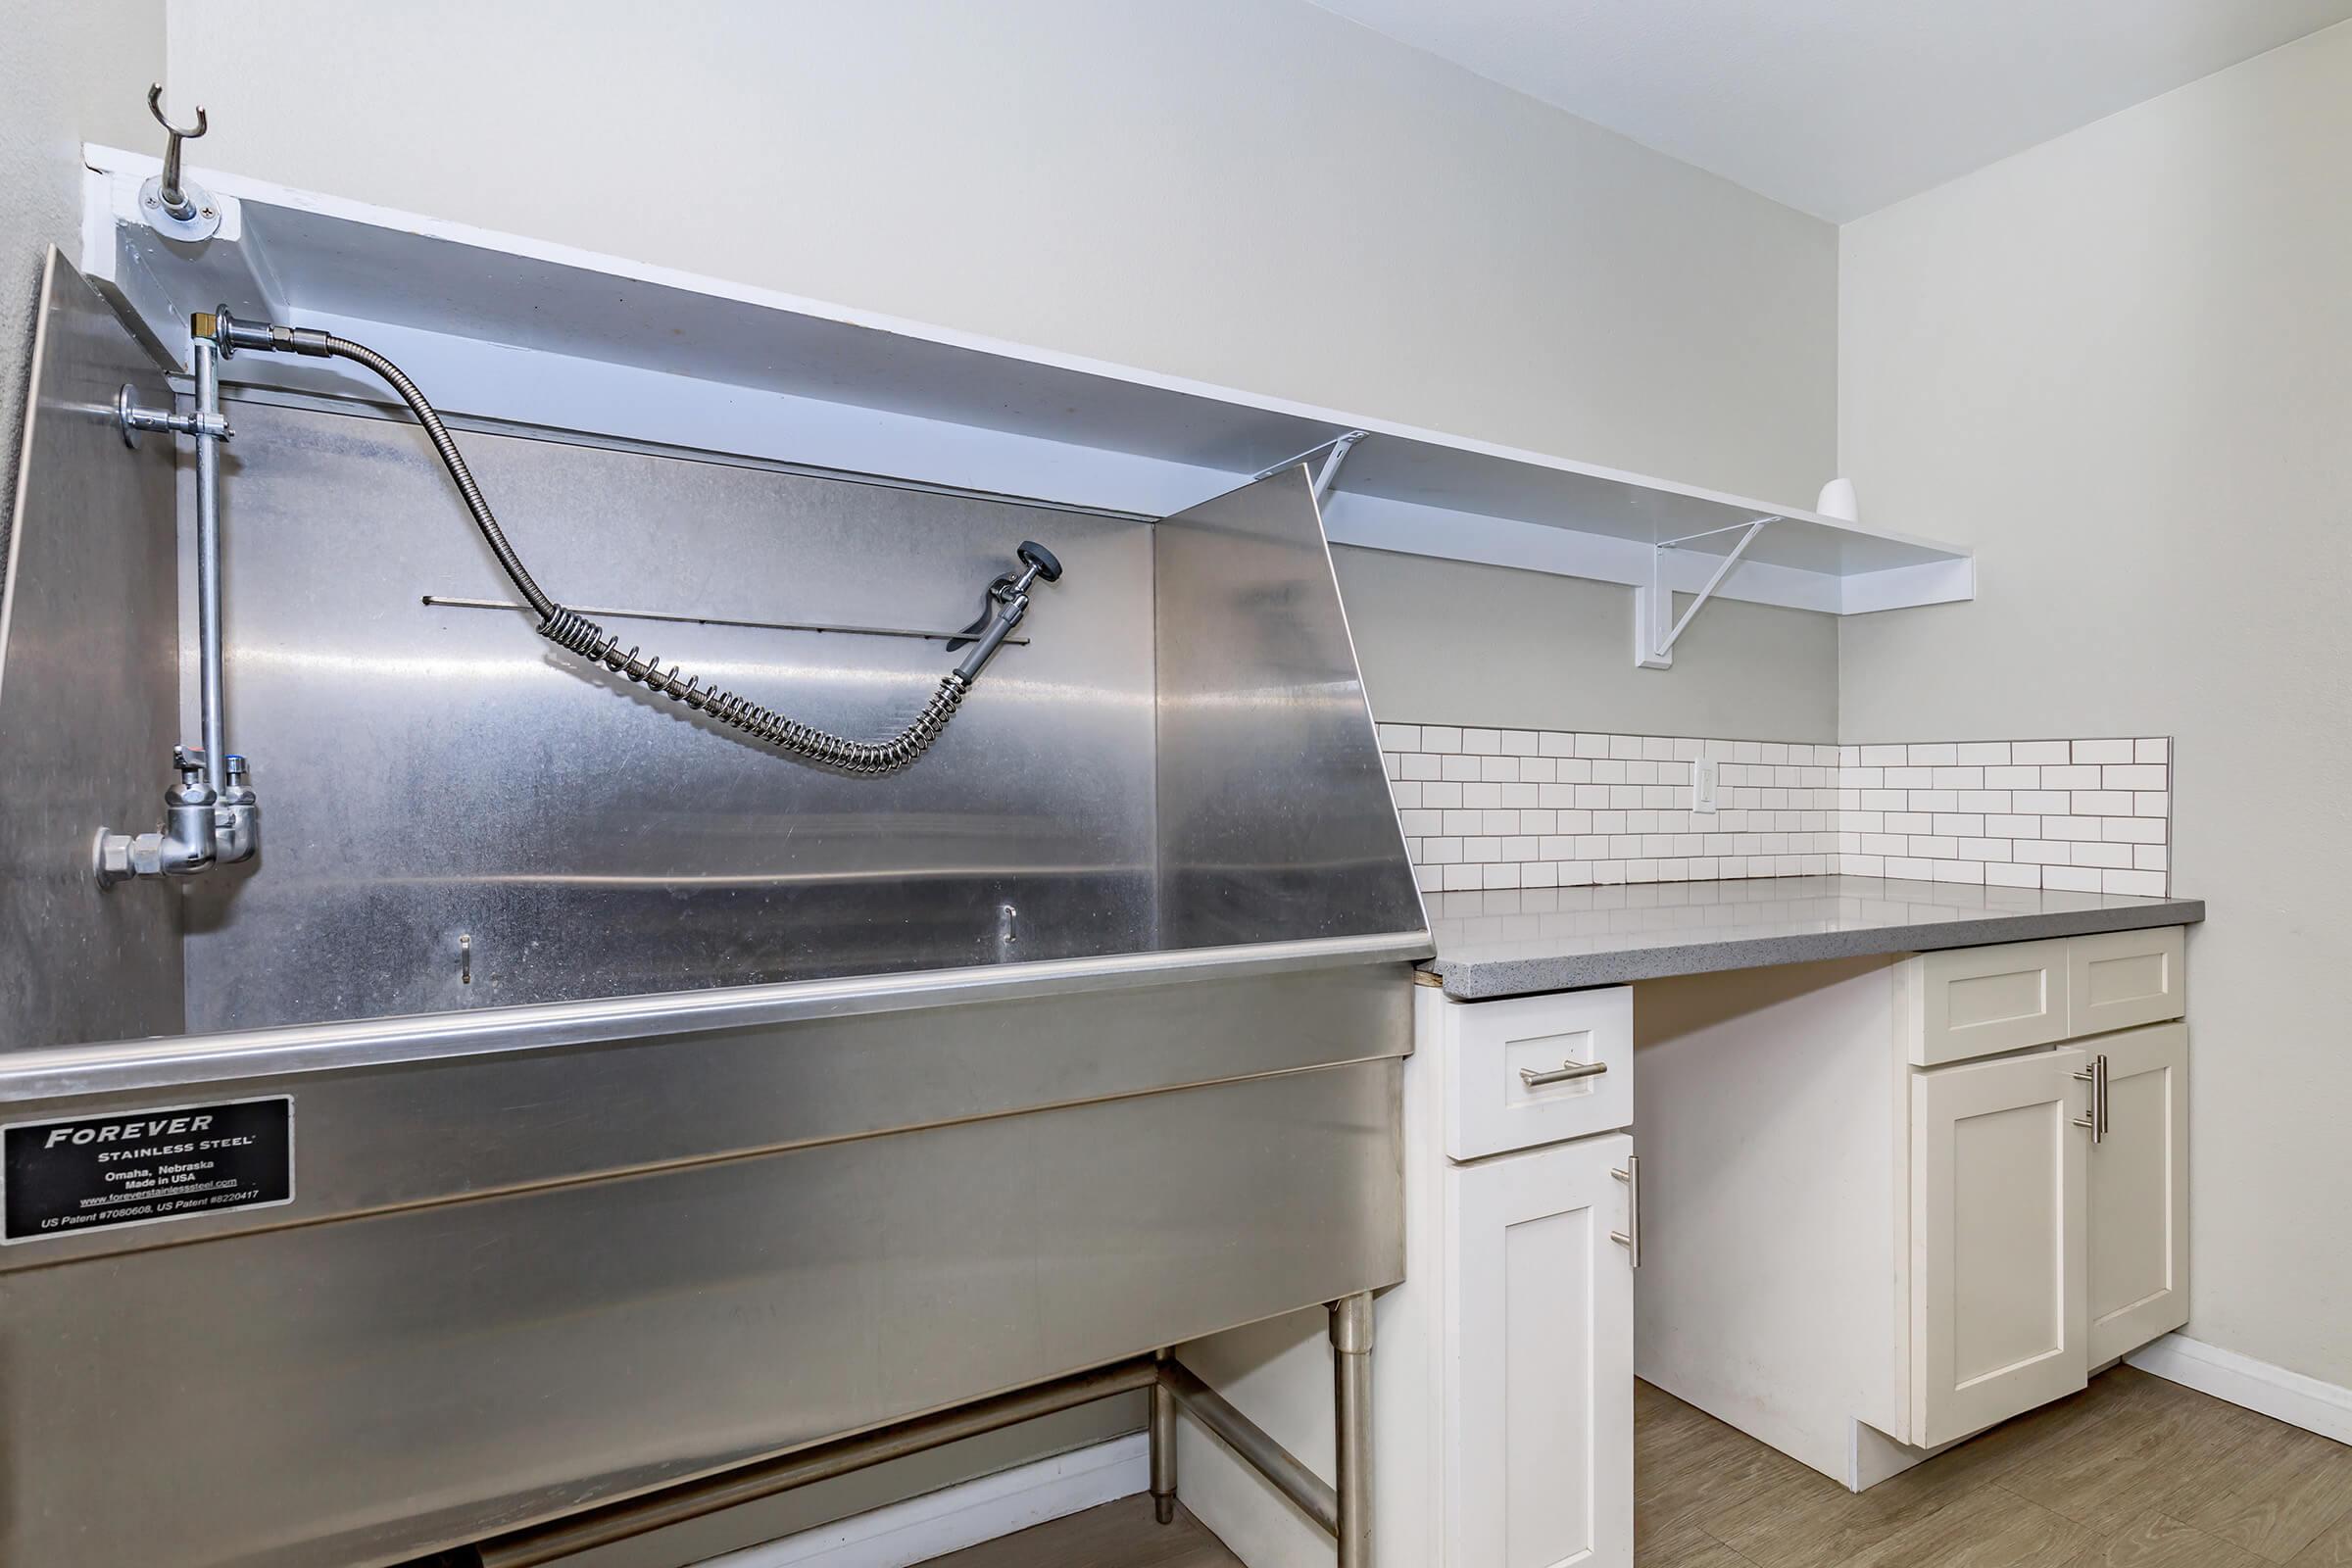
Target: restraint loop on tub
[(571, 629)]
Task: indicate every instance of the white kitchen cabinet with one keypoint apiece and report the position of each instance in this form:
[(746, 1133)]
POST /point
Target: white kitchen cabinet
[(1998, 1260), (1898, 1201), (1877, 1222), (2137, 1179), (1537, 1418)]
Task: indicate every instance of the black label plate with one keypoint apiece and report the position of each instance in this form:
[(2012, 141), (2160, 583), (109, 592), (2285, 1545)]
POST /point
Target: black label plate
[(143, 1166)]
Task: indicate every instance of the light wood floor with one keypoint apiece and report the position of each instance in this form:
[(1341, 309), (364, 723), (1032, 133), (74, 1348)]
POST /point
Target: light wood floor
[(2133, 1473)]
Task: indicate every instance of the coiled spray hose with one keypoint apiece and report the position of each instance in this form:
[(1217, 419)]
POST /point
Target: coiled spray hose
[(571, 629)]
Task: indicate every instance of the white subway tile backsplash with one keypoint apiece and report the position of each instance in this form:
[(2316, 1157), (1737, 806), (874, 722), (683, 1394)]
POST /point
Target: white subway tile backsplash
[(1494, 810), (2101, 802)]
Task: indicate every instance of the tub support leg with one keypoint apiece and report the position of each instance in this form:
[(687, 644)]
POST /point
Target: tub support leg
[(1351, 1363), (1163, 1449)]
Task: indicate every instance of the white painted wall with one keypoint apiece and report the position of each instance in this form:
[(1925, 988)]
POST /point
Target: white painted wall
[(68, 73), (2121, 365)]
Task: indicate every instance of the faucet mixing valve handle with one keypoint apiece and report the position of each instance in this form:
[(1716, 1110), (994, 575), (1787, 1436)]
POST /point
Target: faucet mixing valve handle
[(1048, 564)]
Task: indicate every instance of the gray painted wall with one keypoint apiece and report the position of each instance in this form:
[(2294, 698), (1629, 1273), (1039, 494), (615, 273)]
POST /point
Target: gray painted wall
[(1453, 643), (69, 74), (2121, 365), (1253, 192)]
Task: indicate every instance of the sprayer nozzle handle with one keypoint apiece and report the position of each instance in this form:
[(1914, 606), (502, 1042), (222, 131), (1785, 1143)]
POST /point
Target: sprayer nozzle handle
[(1048, 564)]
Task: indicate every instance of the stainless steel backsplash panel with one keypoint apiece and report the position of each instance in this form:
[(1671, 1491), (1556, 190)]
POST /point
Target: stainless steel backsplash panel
[(429, 772), (88, 681), (1275, 817)]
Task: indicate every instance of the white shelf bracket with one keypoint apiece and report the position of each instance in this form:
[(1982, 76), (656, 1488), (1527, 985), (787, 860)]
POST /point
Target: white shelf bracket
[(1326, 476), (1335, 453), (1655, 629)]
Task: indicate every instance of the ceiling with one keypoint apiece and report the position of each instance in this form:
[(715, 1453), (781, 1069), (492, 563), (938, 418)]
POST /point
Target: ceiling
[(1841, 107)]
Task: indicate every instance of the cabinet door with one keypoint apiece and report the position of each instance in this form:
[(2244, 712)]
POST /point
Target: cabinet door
[(1998, 1319), (1538, 1421), (2139, 1186)]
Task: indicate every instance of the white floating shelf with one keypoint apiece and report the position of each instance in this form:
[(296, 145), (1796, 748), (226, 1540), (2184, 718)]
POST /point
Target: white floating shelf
[(507, 328)]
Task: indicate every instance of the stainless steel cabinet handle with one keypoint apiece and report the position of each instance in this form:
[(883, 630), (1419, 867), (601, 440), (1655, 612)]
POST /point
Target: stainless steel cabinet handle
[(1563, 1073), (1630, 1237), (2094, 1120)]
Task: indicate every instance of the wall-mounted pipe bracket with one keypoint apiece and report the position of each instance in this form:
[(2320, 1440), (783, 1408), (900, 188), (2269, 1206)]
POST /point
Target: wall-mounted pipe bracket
[(1655, 628), (174, 206), (134, 417)]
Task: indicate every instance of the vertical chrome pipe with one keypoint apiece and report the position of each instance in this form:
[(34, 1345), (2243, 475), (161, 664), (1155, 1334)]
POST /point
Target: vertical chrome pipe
[(1352, 1392), (1163, 1449), (205, 352)]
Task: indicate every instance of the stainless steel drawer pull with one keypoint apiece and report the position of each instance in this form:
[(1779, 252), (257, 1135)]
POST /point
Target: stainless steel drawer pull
[(1630, 1237), (1565, 1072), (2095, 1122)]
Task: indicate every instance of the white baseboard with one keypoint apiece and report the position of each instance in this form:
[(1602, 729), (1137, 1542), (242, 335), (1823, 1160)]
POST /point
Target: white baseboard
[(2289, 1396), (955, 1517)]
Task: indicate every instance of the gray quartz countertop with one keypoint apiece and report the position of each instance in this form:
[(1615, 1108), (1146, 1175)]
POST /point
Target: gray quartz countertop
[(1513, 944)]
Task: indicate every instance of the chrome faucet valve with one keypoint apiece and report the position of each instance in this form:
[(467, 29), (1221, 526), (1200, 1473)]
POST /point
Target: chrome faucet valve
[(237, 816), (1010, 595)]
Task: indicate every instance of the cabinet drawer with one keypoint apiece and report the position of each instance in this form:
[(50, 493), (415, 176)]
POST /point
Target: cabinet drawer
[(1978, 1001), (2123, 979), (1499, 1056)]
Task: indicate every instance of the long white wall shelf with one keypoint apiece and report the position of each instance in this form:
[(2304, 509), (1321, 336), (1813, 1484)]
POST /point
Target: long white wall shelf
[(515, 329)]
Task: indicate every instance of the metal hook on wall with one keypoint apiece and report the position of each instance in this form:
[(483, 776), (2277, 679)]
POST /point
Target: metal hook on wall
[(174, 206)]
